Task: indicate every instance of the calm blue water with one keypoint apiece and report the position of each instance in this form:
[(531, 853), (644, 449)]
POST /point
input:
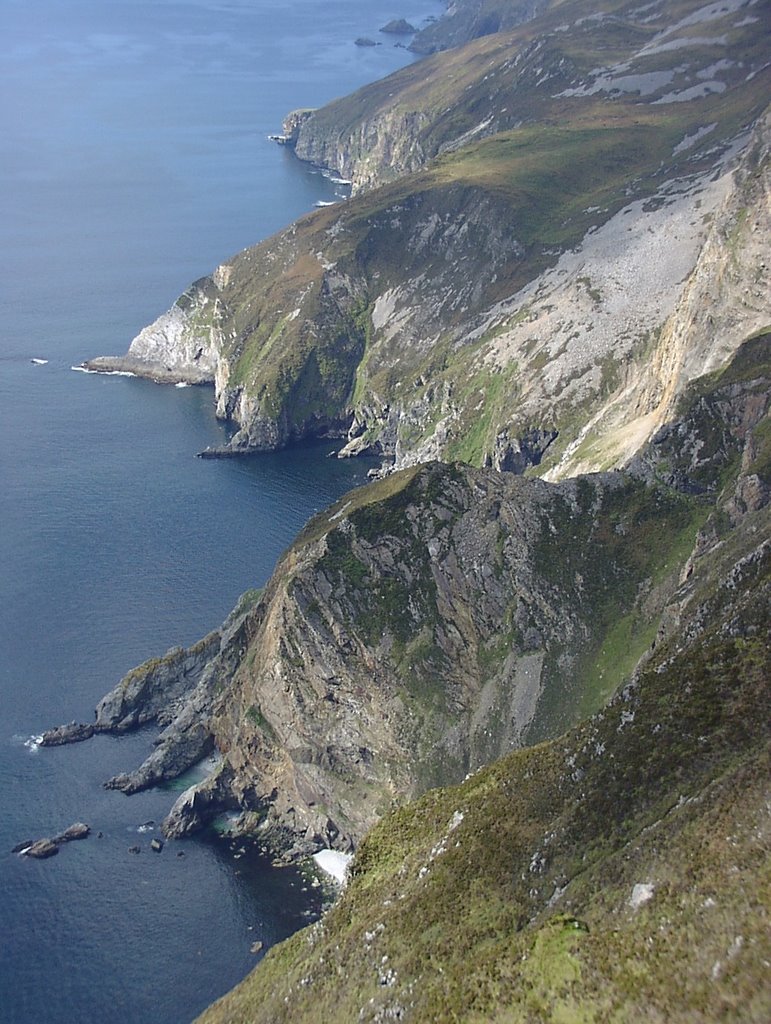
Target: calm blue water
[(133, 160)]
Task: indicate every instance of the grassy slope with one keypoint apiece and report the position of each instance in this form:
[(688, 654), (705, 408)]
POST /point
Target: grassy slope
[(665, 787), (521, 910)]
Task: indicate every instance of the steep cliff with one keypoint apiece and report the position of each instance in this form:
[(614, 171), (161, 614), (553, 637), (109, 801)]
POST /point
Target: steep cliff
[(429, 623), (469, 19), (538, 296), (617, 873)]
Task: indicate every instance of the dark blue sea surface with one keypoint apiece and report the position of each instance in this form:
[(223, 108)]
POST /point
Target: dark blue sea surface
[(133, 159)]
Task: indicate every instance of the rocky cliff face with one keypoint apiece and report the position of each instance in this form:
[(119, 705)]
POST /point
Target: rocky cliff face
[(614, 873), (469, 19), (561, 281), (425, 625)]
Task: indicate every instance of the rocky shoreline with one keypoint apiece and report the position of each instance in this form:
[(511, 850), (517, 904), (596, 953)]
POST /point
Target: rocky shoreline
[(147, 370)]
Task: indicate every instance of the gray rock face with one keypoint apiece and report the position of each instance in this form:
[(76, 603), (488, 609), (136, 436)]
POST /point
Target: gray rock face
[(152, 689), (41, 849), (74, 732), (427, 624)]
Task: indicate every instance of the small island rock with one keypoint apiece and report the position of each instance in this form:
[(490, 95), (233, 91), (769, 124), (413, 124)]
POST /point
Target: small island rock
[(41, 849), (399, 27), (76, 831), (73, 732)]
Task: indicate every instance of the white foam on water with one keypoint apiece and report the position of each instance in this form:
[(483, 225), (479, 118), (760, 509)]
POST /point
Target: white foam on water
[(324, 202), (38, 362), (104, 373), (181, 384), (32, 743)]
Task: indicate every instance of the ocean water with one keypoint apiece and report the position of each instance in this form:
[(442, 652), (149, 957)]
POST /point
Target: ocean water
[(133, 159)]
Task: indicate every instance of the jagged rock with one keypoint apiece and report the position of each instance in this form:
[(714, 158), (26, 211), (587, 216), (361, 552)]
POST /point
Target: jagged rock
[(152, 688), (41, 849), (74, 732), (134, 849), (398, 27), (156, 845), (76, 831), (515, 455)]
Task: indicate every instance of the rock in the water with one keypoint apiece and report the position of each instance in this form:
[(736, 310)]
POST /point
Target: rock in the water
[(257, 946), (134, 849), (76, 831), (156, 844), (73, 732), (365, 41), (399, 27), (23, 847), (42, 848)]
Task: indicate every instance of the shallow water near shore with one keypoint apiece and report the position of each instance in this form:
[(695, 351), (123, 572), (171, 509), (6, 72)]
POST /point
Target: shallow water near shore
[(133, 159)]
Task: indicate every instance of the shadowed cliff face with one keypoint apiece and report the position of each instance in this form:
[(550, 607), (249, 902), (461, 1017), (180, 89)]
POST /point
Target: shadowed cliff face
[(573, 228)]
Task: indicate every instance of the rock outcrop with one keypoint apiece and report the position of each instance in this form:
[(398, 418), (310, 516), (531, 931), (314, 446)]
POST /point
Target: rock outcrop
[(41, 849), (174, 691)]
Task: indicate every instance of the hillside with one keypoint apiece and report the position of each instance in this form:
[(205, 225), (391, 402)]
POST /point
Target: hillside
[(579, 212), (430, 623), (522, 675), (618, 873)]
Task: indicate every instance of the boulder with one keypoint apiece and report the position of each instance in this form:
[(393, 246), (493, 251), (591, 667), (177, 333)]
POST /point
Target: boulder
[(156, 844)]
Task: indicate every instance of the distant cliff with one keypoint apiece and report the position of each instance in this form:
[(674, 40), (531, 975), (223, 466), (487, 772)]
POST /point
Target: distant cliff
[(579, 237)]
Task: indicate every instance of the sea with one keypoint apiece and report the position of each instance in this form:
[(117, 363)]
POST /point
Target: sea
[(133, 160)]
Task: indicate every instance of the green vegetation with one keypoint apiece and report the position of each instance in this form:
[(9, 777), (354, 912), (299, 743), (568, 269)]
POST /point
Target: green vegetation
[(510, 898), (617, 872)]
